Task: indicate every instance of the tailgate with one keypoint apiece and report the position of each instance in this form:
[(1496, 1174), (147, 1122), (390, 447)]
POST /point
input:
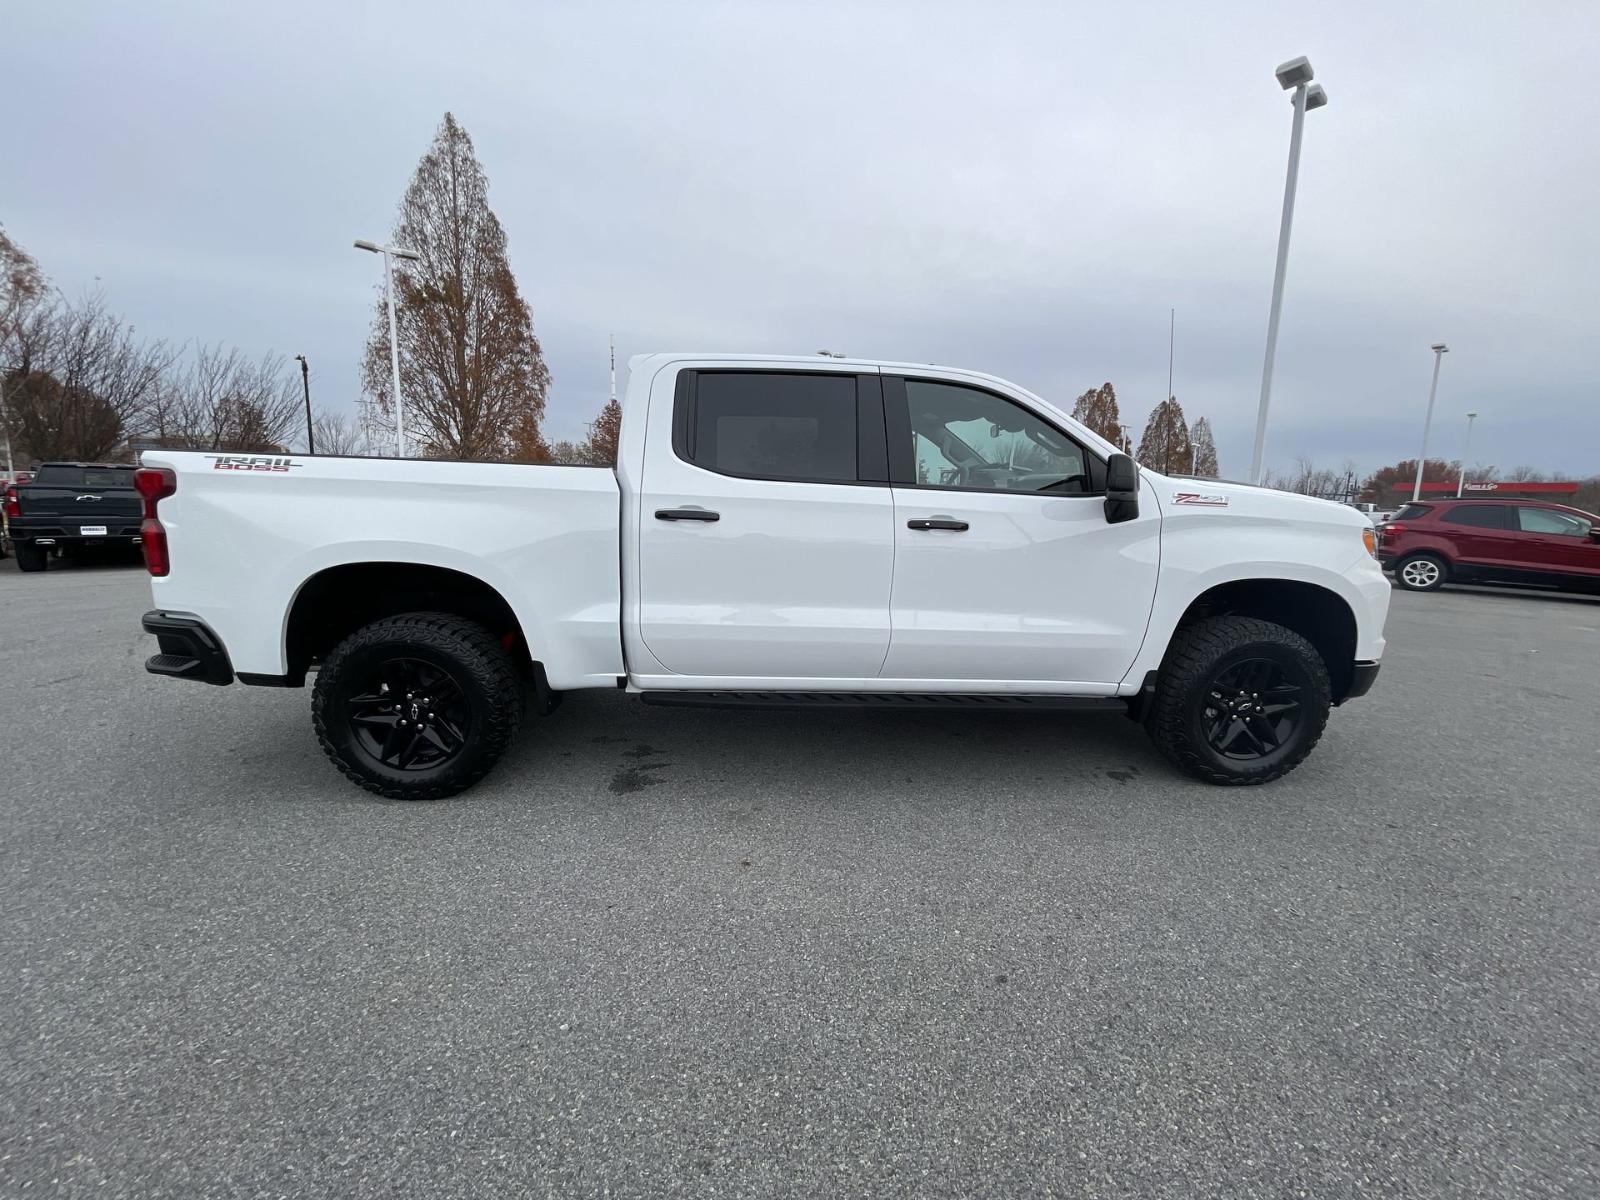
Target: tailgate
[(79, 506)]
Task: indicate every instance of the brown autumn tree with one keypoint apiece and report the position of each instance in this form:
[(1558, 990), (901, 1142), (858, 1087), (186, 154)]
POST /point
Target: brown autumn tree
[(473, 377), (1097, 408), (1165, 445), (599, 449), (1205, 449), (1386, 483)]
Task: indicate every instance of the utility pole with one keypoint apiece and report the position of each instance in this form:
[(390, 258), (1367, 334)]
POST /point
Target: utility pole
[(1172, 330), (1296, 74), (1439, 351), (305, 382), (390, 252), (613, 368)]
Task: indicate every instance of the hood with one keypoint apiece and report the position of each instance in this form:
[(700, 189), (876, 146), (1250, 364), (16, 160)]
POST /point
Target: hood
[(1177, 494)]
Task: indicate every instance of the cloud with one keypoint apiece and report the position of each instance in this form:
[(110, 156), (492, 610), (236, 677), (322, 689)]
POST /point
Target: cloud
[(1025, 189)]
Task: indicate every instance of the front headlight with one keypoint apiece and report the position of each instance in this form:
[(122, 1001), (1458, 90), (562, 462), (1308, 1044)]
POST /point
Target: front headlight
[(1369, 538)]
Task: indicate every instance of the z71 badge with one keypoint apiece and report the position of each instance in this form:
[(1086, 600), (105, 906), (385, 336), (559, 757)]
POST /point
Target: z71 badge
[(245, 462), (1200, 499)]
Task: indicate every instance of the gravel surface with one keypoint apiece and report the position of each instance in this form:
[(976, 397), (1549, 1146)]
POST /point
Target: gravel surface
[(696, 953)]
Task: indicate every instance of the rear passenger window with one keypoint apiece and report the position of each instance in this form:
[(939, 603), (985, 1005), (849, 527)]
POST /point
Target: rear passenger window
[(1486, 516), (774, 426)]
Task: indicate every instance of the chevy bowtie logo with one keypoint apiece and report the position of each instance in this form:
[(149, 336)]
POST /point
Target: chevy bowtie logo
[(89, 497)]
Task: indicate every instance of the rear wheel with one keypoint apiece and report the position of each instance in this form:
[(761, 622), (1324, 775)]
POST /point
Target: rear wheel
[(30, 557), (1421, 573), (1239, 700), (417, 707)]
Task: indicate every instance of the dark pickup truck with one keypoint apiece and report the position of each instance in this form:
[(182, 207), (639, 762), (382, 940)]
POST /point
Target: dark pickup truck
[(67, 506)]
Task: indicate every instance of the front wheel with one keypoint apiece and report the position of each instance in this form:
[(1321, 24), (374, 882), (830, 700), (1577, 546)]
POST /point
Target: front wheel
[(417, 707), (1239, 700)]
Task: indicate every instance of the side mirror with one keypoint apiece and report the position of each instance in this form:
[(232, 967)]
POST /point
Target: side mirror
[(1122, 489)]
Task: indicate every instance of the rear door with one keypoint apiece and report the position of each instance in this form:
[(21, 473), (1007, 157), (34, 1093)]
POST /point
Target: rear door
[(766, 526), (1006, 570), (1480, 535), (82, 501), (1553, 541)]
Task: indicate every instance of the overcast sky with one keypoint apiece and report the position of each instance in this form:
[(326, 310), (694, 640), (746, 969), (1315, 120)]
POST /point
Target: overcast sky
[(1024, 189)]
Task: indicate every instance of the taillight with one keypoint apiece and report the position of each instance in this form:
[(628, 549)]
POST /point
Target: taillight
[(13, 504), (1391, 527), (153, 485)]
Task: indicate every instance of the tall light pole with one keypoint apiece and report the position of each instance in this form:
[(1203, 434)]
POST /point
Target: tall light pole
[(1296, 74), (305, 382), (1439, 351), (389, 253), (1461, 481)]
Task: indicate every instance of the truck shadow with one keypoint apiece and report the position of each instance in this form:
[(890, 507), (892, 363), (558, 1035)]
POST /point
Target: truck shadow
[(627, 748)]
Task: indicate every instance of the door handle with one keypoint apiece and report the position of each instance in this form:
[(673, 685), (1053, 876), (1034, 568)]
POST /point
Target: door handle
[(937, 523), (687, 514)]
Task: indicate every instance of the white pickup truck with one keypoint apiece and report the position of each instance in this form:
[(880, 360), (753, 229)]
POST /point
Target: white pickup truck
[(789, 531)]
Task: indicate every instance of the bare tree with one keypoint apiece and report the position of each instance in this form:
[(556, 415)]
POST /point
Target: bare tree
[(1165, 445), (338, 433), (224, 400), (1526, 474), (470, 366), (83, 382), (1205, 449)]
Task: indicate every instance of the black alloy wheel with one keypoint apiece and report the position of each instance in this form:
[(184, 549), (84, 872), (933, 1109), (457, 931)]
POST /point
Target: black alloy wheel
[(418, 706), (410, 715), (1239, 700), (1253, 709)]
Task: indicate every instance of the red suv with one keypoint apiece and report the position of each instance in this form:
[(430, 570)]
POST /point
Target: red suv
[(1429, 543)]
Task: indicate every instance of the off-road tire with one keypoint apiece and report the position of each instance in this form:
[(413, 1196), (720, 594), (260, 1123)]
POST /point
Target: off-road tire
[(1177, 718), (472, 656)]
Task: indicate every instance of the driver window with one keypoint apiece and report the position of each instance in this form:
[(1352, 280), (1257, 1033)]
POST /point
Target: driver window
[(965, 438)]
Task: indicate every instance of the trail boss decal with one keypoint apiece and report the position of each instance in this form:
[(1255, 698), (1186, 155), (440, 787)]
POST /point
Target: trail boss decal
[(245, 462), (1200, 499)]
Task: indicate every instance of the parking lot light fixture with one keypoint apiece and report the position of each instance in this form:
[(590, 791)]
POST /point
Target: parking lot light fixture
[(1439, 351), (1296, 74), (389, 253), (1461, 480)]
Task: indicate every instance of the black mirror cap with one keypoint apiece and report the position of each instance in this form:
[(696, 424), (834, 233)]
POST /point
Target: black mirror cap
[(1122, 475), (1122, 489)]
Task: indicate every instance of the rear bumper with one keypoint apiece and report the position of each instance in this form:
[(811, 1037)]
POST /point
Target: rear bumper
[(1362, 676), (189, 650)]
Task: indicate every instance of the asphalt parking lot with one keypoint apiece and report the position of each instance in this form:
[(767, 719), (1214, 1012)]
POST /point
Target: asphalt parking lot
[(687, 953)]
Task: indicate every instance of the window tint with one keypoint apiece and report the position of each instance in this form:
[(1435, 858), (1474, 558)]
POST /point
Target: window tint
[(965, 438), (1410, 512), (77, 477), (1486, 516), (775, 426), (1545, 520)]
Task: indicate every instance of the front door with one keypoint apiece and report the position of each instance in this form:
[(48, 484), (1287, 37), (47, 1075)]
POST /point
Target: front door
[(1553, 541), (1006, 569), (766, 531)]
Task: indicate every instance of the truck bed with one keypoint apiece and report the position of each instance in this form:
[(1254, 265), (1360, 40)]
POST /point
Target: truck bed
[(246, 534)]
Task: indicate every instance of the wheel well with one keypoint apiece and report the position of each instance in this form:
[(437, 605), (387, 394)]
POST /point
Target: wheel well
[(334, 603), (1320, 616)]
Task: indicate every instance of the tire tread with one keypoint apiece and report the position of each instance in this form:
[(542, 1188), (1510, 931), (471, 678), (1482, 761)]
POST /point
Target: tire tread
[(1190, 663), (482, 659)]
